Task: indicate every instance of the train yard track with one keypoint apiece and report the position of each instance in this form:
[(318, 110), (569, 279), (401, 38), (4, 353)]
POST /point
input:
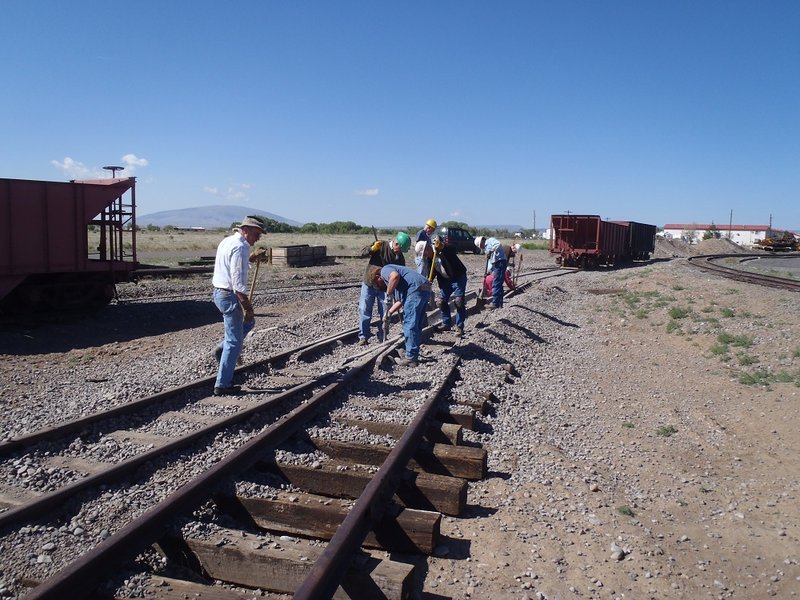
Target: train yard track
[(308, 445), (711, 263)]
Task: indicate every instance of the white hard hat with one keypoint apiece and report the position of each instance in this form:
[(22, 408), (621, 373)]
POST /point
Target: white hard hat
[(420, 247), (479, 241), (517, 247)]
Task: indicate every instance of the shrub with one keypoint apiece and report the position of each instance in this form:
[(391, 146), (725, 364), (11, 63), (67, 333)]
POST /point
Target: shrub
[(666, 430), (673, 327), (677, 312)]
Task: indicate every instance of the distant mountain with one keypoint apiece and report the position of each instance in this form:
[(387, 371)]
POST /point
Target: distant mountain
[(210, 217)]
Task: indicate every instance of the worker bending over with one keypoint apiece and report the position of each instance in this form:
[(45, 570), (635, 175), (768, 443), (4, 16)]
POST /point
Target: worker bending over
[(406, 289), (380, 254), (496, 264)]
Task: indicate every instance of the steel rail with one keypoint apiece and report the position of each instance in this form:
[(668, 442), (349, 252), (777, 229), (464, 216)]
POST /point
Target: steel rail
[(706, 263), (78, 424), (59, 497), (330, 567), (79, 578)]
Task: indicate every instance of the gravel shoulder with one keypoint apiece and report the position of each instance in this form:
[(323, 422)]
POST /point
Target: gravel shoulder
[(627, 457)]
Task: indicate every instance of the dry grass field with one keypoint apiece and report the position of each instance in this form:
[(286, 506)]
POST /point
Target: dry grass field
[(167, 247)]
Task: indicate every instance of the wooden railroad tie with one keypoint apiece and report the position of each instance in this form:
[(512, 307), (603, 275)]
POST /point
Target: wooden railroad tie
[(423, 491)]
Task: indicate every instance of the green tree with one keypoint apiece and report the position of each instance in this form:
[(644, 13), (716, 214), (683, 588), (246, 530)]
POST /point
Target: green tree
[(712, 233)]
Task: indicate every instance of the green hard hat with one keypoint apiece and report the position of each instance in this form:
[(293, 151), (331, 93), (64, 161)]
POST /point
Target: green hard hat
[(404, 240)]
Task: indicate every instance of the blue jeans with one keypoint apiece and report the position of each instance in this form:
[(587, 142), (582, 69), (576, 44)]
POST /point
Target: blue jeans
[(455, 288), (499, 274), (235, 330), (413, 318), (365, 303)]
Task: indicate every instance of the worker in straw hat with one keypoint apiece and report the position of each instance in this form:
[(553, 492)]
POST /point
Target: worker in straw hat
[(424, 235), (230, 280)]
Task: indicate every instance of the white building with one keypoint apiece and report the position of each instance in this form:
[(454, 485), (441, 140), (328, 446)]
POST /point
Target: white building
[(744, 235)]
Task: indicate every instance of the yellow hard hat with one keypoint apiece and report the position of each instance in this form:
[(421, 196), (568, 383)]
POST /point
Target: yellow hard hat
[(431, 223)]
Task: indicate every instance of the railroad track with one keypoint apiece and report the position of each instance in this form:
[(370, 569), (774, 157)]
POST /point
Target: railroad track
[(711, 264), (403, 472)]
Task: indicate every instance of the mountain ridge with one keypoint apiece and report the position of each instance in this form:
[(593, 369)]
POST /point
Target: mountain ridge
[(210, 217), (222, 216)]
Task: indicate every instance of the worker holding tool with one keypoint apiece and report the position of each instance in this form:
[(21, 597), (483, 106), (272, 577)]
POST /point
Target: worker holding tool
[(406, 289), (424, 235), (497, 264), (511, 252), (380, 254), (230, 281), (451, 275)]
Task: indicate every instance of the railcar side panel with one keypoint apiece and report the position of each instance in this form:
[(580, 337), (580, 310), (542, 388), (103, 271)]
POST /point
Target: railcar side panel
[(44, 235)]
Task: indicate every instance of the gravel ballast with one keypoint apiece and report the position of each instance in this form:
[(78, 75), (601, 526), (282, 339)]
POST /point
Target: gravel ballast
[(630, 453)]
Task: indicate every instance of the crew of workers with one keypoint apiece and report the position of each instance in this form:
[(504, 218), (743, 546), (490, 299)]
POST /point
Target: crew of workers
[(387, 282)]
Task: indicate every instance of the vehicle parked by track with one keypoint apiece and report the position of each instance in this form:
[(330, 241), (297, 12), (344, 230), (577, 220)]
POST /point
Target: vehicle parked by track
[(461, 239)]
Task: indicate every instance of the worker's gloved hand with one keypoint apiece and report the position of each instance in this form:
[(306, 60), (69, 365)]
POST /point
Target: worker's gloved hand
[(387, 304), (260, 254), (376, 246), (249, 316)]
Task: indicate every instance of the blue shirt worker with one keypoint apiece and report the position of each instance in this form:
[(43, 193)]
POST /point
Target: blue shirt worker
[(451, 275), (424, 235), (410, 291), (496, 264), (380, 254), (230, 296)]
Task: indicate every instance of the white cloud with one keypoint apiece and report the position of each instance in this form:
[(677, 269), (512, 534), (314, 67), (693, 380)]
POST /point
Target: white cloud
[(77, 170), (237, 192), (132, 162), (74, 169), (368, 192)]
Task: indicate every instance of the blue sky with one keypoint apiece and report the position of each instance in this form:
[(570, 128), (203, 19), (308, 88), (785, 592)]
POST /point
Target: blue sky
[(389, 113)]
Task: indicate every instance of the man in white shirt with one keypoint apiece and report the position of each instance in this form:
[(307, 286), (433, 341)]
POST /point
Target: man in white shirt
[(230, 295)]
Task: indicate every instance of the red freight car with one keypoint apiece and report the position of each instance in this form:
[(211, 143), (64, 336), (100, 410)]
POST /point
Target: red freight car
[(45, 258), (586, 241)]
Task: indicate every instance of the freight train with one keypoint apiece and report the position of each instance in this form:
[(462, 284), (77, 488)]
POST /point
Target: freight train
[(587, 241), (46, 262)]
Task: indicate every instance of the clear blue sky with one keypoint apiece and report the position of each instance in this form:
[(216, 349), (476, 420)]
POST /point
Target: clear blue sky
[(389, 112)]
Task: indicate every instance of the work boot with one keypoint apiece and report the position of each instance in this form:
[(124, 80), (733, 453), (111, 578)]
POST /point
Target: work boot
[(459, 331), (407, 362), (233, 390), (362, 342)]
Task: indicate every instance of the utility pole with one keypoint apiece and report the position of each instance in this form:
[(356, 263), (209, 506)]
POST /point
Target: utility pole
[(534, 223), (730, 224)]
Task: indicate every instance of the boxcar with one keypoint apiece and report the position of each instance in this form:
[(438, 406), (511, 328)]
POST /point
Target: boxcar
[(45, 258), (641, 240), (586, 241)]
